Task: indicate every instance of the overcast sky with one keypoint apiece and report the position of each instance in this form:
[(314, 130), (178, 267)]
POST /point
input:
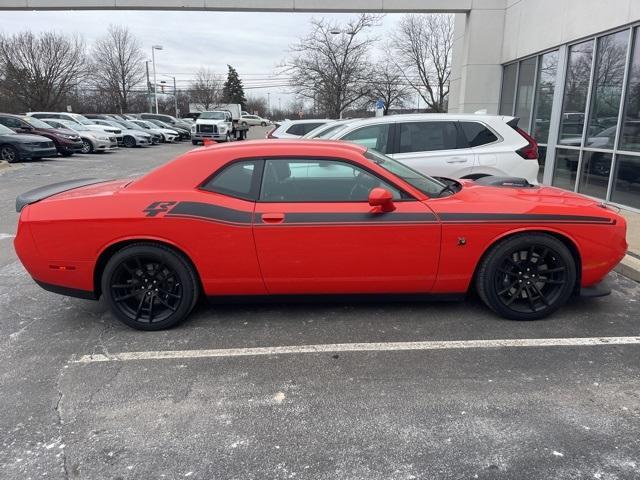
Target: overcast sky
[(253, 42)]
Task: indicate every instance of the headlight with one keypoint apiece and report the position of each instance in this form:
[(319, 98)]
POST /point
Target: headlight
[(222, 128), (102, 138), (193, 129)]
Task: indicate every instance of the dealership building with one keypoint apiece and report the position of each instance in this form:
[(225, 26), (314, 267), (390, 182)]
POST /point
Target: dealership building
[(569, 69)]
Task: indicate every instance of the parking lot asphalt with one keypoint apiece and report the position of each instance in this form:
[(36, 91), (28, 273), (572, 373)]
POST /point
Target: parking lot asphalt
[(186, 403)]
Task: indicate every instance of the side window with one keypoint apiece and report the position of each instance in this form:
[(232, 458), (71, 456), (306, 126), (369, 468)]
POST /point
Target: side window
[(477, 134), (236, 180), (10, 122), (428, 136), (311, 180), (302, 128), (375, 137)]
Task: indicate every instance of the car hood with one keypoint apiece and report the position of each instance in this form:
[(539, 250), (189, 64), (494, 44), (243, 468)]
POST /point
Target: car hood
[(209, 121), (27, 138), (502, 201)]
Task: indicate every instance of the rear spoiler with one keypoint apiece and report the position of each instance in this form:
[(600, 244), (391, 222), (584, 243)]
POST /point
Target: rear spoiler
[(513, 123), (40, 193)]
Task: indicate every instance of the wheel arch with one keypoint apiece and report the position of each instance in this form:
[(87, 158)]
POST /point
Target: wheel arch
[(111, 249), (566, 239)]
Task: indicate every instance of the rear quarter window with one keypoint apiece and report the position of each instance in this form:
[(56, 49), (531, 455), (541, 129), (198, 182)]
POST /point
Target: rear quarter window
[(477, 134), (236, 180)]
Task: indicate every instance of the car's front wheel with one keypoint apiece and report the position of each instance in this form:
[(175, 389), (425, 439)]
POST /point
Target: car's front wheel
[(129, 142), (8, 153), (87, 146), (263, 124), (149, 286), (527, 276)]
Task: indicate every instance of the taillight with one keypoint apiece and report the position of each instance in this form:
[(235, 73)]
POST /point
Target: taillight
[(529, 151)]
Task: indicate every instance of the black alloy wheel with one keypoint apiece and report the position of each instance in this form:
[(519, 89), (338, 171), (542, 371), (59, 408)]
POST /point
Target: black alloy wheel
[(527, 277), (8, 153), (87, 146), (149, 286)]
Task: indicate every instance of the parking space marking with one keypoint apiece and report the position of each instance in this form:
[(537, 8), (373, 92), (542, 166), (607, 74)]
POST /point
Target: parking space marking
[(4, 236), (359, 347)]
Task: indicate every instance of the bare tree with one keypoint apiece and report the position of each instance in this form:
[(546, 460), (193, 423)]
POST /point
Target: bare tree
[(40, 71), (331, 64), (422, 46), (206, 89), (257, 104), (389, 85), (118, 64)]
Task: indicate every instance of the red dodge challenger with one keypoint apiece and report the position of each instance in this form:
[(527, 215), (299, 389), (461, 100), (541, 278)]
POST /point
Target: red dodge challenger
[(311, 217)]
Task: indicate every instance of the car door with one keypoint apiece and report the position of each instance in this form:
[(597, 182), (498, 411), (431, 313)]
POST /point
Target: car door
[(433, 147), (315, 231)]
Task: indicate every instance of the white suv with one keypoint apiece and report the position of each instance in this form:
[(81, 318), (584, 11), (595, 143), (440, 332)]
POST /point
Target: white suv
[(296, 128), (449, 145)]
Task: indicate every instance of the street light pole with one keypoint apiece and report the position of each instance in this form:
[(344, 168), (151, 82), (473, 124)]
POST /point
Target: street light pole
[(146, 64), (155, 83)]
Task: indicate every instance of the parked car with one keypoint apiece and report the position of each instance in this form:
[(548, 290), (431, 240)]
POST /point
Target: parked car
[(92, 140), (67, 142), (215, 125), (168, 119), (130, 137), (296, 128), (328, 129), (77, 118), (254, 120), (155, 138), (312, 217), (167, 135), (450, 145), (185, 133), (15, 147)]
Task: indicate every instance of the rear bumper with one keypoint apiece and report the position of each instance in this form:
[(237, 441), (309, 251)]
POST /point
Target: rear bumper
[(66, 291)]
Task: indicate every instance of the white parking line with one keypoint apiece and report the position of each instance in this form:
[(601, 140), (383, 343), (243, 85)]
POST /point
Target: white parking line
[(6, 235), (359, 347)]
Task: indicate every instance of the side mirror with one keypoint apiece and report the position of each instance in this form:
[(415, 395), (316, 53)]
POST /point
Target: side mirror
[(381, 198)]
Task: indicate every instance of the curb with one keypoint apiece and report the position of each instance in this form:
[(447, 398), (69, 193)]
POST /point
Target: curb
[(629, 267)]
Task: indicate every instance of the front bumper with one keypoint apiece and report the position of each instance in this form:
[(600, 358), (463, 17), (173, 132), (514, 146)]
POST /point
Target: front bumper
[(104, 145), (29, 151), (601, 289), (212, 136)]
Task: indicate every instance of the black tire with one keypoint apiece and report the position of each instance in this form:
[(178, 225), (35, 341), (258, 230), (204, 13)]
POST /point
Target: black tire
[(87, 146), (66, 154), (150, 286), (263, 124), (8, 153), (195, 142), (129, 142), (244, 124), (527, 276)]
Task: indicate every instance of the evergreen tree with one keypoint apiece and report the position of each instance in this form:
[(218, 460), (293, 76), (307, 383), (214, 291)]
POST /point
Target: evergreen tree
[(233, 91)]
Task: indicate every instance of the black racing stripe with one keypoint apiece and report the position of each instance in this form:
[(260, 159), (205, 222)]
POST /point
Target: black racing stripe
[(525, 217), (390, 217), (209, 211)]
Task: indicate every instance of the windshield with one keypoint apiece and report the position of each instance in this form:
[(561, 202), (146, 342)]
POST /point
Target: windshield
[(331, 130), (73, 126), (79, 118), (141, 123), (427, 185), (7, 131), (35, 123), (212, 116), (130, 125)]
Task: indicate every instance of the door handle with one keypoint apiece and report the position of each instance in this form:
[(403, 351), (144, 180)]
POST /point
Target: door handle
[(457, 160), (272, 217)]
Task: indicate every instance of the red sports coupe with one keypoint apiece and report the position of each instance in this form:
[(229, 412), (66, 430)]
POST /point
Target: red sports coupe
[(311, 217)]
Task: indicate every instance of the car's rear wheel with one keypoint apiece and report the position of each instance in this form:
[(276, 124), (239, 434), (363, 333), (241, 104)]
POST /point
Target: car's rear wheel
[(87, 146), (527, 276), (263, 124), (129, 142), (8, 153), (149, 286)]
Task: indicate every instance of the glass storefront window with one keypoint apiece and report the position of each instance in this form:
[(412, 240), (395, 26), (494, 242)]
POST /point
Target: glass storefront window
[(594, 174), (566, 167), (630, 133), (611, 55), (626, 182), (575, 93), (545, 88), (509, 75), (524, 94)]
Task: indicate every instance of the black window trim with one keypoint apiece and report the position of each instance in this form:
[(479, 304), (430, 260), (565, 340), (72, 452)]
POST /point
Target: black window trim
[(460, 136)]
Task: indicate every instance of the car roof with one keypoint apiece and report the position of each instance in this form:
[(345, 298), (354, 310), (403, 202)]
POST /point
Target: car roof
[(287, 143), (308, 120), (430, 116)]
